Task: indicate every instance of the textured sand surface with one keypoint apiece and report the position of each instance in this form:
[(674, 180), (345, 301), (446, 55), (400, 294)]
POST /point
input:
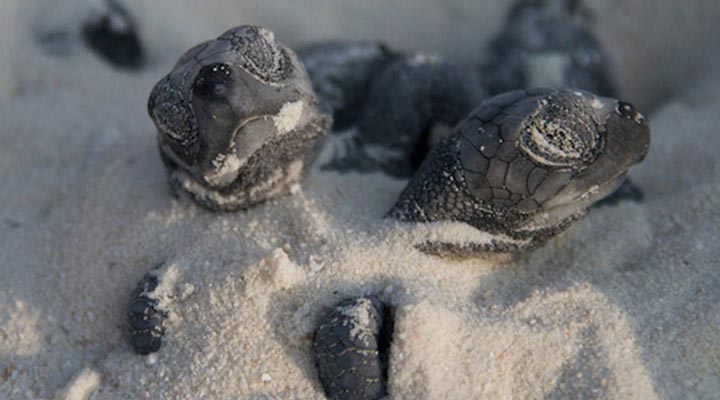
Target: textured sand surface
[(626, 304)]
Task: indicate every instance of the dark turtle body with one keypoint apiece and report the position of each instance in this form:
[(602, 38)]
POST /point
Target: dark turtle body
[(145, 317), (548, 43), (237, 119), (412, 105), (342, 75)]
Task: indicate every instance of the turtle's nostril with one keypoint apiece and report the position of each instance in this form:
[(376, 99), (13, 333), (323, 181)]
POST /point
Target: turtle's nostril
[(639, 119)]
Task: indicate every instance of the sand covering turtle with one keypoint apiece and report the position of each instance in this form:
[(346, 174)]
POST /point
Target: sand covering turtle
[(238, 121)]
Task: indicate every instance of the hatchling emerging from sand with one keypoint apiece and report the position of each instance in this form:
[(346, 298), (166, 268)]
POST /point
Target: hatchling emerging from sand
[(238, 120)]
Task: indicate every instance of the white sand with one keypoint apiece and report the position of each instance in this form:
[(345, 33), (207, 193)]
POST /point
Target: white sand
[(626, 304)]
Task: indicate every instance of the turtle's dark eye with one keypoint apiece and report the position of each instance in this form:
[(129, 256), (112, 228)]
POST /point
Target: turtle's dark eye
[(625, 109), (628, 111), (213, 82)]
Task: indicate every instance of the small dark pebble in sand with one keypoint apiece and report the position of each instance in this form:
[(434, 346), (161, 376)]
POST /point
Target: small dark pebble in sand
[(548, 43), (145, 319), (113, 36)]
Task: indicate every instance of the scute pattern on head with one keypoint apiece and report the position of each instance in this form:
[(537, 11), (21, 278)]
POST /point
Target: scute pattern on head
[(258, 53), (182, 126)]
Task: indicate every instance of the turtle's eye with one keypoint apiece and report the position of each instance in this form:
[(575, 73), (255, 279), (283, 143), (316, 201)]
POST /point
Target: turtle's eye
[(627, 111), (213, 82)]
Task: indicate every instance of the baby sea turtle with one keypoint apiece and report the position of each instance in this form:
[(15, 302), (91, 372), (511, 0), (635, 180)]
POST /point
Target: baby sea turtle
[(342, 75), (547, 43), (112, 34), (521, 168), (524, 165), (400, 104), (237, 119), (413, 103)]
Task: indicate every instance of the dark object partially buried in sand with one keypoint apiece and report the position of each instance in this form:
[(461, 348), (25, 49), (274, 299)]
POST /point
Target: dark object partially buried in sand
[(525, 165), (412, 104), (394, 106), (342, 74), (145, 318), (112, 34), (351, 348), (548, 43), (237, 120)]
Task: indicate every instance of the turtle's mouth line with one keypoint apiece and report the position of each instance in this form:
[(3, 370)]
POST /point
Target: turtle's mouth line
[(599, 192), (225, 165), (591, 195)]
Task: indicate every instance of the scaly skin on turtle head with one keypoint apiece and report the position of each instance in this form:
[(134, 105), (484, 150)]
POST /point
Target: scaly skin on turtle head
[(524, 165), (236, 119)]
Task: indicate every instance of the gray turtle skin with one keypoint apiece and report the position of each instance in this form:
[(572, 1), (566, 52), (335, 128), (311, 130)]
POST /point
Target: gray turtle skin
[(342, 75), (547, 43), (412, 103), (237, 120), (523, 166), (351, 347)]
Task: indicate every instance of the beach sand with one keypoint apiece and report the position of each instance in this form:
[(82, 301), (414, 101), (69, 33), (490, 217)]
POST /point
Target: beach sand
[(625, 304)]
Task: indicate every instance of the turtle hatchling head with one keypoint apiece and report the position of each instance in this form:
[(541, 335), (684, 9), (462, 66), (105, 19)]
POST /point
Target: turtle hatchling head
[(526, 164), (232, 115), (586, 142)]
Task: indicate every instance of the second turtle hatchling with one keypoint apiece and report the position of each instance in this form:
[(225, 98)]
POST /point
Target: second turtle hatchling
[(237, 119)]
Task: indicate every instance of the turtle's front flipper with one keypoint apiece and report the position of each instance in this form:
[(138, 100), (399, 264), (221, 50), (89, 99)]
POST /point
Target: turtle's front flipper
[(412, 106), (351, 347)]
